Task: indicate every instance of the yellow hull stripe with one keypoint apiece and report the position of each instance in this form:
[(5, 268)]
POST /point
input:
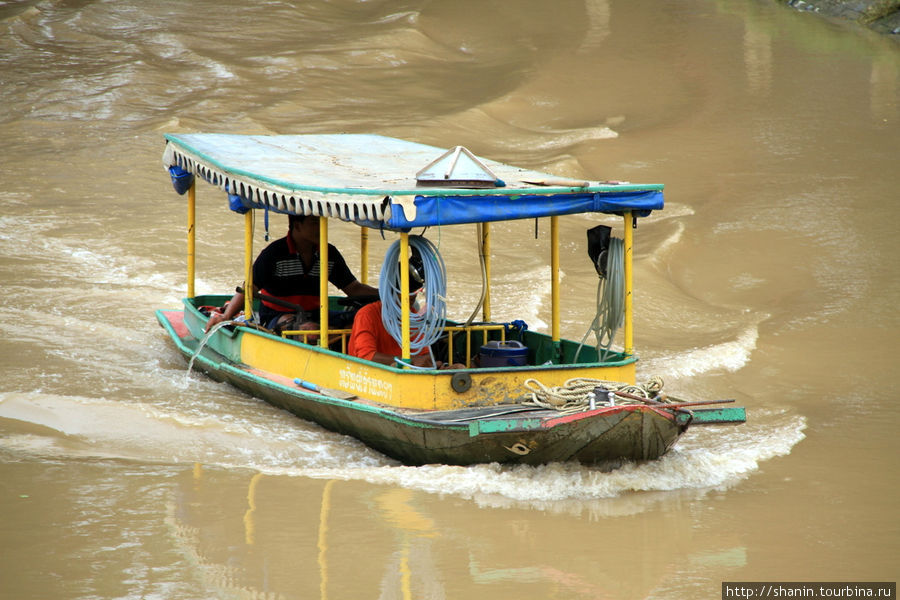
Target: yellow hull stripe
[(408, 388)]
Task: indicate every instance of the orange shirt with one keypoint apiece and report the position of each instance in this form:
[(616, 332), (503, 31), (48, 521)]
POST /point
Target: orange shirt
[(369, 335)]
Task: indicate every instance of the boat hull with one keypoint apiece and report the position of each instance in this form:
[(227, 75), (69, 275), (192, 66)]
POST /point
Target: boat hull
[(506, 433)]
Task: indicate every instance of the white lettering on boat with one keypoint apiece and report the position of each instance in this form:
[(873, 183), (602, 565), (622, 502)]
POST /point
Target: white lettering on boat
[(364, 384)]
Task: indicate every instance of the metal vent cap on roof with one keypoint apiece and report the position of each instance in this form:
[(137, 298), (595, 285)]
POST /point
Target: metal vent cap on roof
[(457, 167)]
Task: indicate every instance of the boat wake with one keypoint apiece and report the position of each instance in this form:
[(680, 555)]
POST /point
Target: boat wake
[(729, 355), (248, 434), (711, 459)]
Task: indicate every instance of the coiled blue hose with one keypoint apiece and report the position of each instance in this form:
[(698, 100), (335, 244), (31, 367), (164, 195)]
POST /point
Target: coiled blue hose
[(427, 324)]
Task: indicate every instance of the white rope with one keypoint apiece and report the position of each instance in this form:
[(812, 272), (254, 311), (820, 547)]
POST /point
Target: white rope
[(577, 394), (426, 325)]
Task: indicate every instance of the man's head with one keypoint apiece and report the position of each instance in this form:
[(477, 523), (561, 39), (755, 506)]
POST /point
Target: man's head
[(416, 271), (305, 227), (296, 220)]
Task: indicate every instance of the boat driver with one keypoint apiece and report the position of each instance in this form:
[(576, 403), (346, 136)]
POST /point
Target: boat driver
[(288, 270)]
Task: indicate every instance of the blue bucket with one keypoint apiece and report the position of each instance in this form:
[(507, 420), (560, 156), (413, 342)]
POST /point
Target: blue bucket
[(503, 354)]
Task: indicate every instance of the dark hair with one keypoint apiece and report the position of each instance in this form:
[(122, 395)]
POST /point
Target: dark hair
[(416, 270), (295, 220)]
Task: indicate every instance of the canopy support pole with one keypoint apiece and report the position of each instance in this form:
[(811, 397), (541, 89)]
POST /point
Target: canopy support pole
[(248, 264), (323, 282), (191, 237), (404, 295), (629, 284), (554, 278), (486, 257), (364, 255)]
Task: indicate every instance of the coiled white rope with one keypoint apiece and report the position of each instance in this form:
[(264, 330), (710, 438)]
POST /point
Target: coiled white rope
[(576, 394), (427, 324), (610, 313)]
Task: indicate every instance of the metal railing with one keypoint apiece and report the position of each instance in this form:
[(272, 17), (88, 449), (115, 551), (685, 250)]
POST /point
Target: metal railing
[(304, 335)]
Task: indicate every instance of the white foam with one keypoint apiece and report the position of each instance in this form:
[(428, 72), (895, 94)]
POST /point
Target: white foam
[(510, 297), (669, 242), (710, 459), (730, 356), (97, 427), (81, 260), (252, 435)]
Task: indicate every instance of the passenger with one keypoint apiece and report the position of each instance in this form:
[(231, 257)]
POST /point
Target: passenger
[(288, 269), (370, 339)]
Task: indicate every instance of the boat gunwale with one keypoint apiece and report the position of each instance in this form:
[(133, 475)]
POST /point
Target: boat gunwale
[(233, 331), (413, 416)]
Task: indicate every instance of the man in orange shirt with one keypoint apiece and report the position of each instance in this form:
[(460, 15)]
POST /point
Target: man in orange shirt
[(371, 341), (369, 338)]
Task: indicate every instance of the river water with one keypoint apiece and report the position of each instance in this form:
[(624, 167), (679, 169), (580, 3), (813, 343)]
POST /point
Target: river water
[(770, 277)]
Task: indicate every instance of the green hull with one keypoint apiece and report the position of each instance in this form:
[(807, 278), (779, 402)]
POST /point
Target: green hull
[(507, 433)]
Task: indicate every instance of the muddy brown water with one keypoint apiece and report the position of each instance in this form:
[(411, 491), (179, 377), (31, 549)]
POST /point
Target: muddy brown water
[(770, 277)]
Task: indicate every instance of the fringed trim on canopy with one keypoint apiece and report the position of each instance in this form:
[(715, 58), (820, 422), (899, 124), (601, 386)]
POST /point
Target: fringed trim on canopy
[(344, 206)]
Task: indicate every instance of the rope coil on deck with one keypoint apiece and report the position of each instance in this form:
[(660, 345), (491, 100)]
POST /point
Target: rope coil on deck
[(576, 394)]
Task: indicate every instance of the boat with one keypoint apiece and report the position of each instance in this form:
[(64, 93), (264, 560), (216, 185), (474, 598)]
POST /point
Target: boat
[(515, 396)]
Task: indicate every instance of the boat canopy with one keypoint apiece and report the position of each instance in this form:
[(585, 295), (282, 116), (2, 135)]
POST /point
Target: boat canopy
[(372, 180)]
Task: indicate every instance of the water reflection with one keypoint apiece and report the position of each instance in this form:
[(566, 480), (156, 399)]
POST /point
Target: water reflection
[(322, 542), (599, 15), (412, 545), (758, 59), (884, 90), (414, 559)]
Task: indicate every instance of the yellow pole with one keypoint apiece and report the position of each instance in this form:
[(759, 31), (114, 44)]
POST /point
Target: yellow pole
[(554, 276), (364, 255), (629, 297), (404, 294), (323, 282), (486, 255), (192, 236), (248, 264)]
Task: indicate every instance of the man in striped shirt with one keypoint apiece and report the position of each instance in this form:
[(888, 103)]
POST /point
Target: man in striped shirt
[(289, 269)]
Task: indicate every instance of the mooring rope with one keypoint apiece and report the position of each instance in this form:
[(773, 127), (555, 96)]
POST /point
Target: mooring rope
[(578, 394)]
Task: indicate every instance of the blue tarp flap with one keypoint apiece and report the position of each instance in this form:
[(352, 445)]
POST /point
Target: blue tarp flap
[(181, 179), (453, 210)]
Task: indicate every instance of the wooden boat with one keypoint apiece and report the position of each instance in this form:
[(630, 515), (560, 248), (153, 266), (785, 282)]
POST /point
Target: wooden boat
[(483, 413)]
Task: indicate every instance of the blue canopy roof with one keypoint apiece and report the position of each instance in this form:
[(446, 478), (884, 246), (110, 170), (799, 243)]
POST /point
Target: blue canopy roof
[(371, 180)]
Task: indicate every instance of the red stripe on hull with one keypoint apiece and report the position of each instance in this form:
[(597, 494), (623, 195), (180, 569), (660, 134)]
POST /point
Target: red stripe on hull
[(606, 410)]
